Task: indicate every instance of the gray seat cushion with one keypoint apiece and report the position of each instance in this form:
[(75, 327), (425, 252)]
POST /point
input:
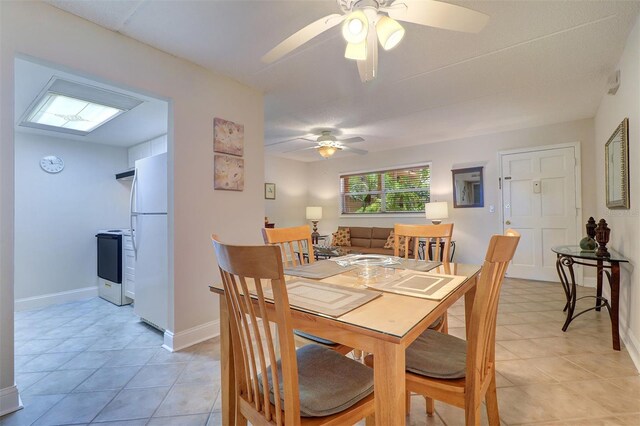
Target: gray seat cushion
[(313, 338), (437, 322), (437, 355), (329, 382)]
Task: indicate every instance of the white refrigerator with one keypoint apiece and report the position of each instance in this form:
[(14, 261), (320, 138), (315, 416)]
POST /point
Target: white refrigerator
[(150, 235)]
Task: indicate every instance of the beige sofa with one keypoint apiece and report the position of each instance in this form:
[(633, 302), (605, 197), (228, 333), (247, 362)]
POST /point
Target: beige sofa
[(367, 240)]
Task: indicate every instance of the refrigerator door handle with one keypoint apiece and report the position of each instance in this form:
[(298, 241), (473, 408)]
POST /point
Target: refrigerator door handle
[(132, 214)]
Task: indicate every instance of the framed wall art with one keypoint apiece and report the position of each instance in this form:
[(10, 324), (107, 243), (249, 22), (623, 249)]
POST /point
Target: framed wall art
[(468, 187), (228, 137), (228, 173), (270, 191)]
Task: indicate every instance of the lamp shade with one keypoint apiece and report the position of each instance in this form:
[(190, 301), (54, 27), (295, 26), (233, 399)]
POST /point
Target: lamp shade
[(356, 51), (436, 210), (326, 151), (390, 32), (314, 213), (355, 27)]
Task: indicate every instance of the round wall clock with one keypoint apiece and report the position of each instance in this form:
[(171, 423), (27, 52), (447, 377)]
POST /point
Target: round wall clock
[(52, 164)]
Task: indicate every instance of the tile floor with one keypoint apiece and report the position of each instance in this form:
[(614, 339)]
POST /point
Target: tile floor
[(92, 362)]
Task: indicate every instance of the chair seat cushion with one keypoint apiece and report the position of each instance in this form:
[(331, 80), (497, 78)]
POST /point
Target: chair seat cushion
[(437, 355), (434, 325), (329, 382), (315, 339)]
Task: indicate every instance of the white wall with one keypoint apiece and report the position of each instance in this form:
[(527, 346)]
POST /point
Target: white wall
[(624, 224), (292, 185), (146, 149), (473, 226), (57, 215), (196, 96)]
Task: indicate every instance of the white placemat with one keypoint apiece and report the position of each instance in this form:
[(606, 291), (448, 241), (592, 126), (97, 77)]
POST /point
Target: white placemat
[(424, 285), (324, 298)]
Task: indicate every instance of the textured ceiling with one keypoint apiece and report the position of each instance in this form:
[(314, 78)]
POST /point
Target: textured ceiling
[(535, 63)]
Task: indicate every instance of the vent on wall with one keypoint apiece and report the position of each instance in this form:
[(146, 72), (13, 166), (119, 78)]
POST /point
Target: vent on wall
[(79, 109)]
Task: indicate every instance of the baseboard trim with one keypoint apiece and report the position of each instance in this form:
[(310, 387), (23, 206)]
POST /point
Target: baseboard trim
[(183, 339), (37, 302), (631, 343), (10, 400)]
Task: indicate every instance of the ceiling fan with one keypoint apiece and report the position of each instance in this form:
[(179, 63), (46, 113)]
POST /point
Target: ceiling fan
[(367, 22), (326, 144)]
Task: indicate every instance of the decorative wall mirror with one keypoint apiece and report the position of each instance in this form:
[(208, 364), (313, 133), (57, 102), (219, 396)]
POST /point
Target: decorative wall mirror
[(616, 154), (468, 187)]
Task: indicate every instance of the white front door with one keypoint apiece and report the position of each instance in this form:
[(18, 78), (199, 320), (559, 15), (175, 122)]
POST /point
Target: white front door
[(539, 201)]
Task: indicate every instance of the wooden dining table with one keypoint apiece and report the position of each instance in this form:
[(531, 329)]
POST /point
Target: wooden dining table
[(385, 327)]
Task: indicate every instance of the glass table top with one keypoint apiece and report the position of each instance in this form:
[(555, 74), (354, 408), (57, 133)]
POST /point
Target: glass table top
[(576, 251)]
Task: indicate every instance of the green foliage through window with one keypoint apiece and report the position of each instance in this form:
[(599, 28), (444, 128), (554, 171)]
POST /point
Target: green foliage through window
[(387, 191)]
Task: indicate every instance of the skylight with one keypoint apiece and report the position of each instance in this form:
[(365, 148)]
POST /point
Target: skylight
[(71, 113), (70, 107)]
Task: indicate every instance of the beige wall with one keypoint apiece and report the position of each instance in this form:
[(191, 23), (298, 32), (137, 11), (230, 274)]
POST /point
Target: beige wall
[(291, 179), (196, 96), (473, 226), (624, 224)]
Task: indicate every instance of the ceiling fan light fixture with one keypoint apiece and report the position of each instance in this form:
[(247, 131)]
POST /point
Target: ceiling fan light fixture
[(390, 32), (327, 151), (355, 27), (356, 51)]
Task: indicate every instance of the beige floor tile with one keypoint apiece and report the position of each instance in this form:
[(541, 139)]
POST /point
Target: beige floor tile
[(521, 372), (536, 330), (613, 364), (503, 354), (560, 369), (557, 402), (606, 395), (630, 419)]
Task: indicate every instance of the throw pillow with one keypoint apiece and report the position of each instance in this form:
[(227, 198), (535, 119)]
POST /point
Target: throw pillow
[(390, 242), (342, 237)]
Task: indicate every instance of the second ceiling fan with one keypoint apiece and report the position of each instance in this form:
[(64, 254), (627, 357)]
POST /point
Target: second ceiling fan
[(367, 22)]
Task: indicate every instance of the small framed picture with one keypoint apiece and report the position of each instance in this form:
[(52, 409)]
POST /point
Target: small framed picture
[(270, 191)]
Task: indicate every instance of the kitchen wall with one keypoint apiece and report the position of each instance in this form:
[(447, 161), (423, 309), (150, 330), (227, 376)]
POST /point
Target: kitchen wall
[(146, 149), (57, 216), (624, 224), (473, 226), (196, 96), (292, 185)]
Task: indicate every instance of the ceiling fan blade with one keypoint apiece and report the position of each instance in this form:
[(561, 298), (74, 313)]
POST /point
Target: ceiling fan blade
[(356, 150), (351, 140), (368, 68), (301, 149), (289, 140), (301, 37), (438, 14)]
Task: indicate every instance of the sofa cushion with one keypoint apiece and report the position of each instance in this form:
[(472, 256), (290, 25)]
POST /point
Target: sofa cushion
[(360, 236), (341, 238), (380, 233), (389, 244), (372, 250)]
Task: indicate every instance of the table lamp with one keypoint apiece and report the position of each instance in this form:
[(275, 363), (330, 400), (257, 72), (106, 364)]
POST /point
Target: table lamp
[(436, 211), (314, 214)]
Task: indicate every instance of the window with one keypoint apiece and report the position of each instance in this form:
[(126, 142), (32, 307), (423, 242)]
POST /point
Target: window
[(387, 191)]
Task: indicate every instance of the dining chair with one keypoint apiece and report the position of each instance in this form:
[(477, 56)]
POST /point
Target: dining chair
[(441, 236), (309, 386), (458, 372), (293, 243)]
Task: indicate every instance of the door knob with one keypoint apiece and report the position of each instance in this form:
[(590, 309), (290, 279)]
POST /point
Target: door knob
[(508, 222)]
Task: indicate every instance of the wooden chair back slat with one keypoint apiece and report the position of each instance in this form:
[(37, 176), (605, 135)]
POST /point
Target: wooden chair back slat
[(441, 234), (482, 333), (293, 242), (247, 272)]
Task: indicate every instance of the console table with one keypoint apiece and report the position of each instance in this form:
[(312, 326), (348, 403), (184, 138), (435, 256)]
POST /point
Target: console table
[(567, 256)]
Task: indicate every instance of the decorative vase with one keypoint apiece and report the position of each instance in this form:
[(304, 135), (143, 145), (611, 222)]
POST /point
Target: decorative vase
[(588, 243), (602, 237)]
